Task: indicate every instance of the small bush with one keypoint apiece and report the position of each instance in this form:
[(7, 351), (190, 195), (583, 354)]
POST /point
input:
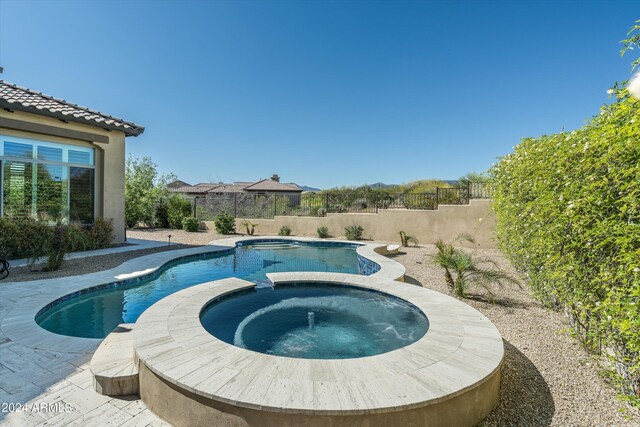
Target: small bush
[(225, 223), (78, 238), (251, 227), (353, 232), (190, 224), (24, 238), (463, 270), (162, 214), (323, 232), (178, 208), (285, 230), (57, 248), (101, 234), (406, 239)]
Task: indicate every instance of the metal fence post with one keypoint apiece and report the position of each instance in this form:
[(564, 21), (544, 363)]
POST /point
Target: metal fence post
[(275, 205), (437, 197)]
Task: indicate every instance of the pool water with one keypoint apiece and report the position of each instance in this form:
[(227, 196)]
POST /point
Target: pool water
[(315, 321), (96, 313)]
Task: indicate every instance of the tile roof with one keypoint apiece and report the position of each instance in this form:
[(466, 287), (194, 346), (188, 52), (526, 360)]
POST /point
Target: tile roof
[(236, 187), (228, 188), (190, 189), (177, 183), (18, 98), (270, 185)]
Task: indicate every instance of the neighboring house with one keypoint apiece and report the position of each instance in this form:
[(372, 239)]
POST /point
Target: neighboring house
[(61, 160), (263, 186)]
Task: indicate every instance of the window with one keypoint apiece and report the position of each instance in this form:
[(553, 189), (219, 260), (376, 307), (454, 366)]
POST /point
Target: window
[(17, 188), (44, 180), (81, 194)]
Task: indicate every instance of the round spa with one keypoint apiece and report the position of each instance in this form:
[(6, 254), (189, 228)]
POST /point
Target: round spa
[(325, 349)]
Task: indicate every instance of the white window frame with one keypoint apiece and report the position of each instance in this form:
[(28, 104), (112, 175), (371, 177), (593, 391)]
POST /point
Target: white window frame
[(35, 143)]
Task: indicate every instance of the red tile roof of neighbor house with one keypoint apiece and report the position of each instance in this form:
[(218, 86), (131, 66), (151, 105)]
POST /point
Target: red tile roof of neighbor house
[(266, 185), (16, 98), (270, 185)]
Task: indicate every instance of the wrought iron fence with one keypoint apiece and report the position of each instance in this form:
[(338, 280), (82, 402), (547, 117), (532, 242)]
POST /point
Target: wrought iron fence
[(480, 190), (247, 205)]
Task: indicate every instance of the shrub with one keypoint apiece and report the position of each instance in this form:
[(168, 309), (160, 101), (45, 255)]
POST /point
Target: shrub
[(178, 208), (323, 232), (285, 230), (162, 214), (568, 215), (353, 232), (57, 247), (251, 227), (32, 239), (405, 239), (101, 233), (190, 224), (78, 238), (225, 223), (468, 269), (27, 238)]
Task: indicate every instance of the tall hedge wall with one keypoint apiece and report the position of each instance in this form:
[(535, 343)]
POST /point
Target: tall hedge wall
[(568, 215)]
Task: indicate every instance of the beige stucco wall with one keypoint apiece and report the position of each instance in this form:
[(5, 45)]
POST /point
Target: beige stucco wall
[(183, 408), (110, 160), (446, 223)]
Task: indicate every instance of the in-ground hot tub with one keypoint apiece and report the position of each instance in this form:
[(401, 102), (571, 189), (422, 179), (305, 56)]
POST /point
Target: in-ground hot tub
[(447, 373), (315, 321)]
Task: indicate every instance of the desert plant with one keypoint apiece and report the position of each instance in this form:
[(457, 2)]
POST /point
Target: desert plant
[(285, 230), (101, 233), (251, 227), (323, 232), (190, 224), (224, 223), (57, 247), (178, 208), (406, 239), (463, 270), (78, 238), (353, 232)]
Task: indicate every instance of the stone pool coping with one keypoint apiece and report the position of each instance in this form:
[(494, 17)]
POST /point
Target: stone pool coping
[(461, 350), (27, 299)]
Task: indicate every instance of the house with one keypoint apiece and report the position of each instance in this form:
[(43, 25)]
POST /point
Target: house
[(263, 186), (59, 159)]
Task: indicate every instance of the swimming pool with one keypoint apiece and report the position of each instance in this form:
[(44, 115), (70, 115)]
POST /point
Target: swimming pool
[(95, 312)]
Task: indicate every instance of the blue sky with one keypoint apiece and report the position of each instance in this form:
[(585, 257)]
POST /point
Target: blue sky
[(323, 93)]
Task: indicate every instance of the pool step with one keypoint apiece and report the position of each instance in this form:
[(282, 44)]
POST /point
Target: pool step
[(112, 365)]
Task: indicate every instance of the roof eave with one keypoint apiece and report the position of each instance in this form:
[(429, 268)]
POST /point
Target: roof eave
[(135, 130)]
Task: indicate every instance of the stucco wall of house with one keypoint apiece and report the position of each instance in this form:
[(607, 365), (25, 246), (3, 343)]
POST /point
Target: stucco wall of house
[(110, 159), (446, 223)]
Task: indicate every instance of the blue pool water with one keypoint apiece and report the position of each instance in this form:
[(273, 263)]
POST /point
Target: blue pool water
[(96, 313), (315, 321)]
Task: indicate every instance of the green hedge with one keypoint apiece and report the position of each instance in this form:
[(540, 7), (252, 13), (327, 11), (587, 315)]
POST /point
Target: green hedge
[(27, 238), (568, 215)]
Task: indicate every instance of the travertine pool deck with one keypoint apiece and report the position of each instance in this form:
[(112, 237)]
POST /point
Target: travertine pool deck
[(38, 366), (448, 377)]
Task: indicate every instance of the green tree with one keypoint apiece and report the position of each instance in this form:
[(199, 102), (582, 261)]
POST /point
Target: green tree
[(143, 189)]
